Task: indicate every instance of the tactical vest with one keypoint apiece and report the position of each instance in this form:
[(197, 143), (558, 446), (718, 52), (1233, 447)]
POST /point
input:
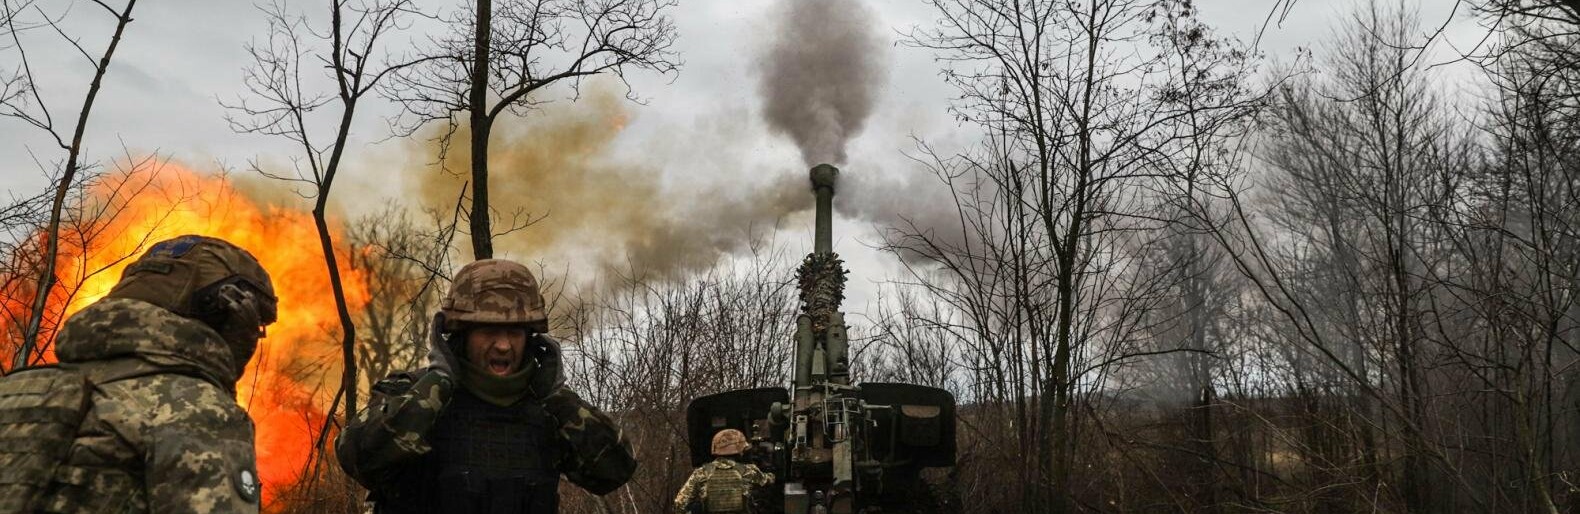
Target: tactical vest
[(725, 489), (486, 459)]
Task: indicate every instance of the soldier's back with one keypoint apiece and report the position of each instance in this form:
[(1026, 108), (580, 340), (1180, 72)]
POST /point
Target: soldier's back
[(159, 431)]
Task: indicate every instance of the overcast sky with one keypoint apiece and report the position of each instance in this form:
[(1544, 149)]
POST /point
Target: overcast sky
[(180, 57)]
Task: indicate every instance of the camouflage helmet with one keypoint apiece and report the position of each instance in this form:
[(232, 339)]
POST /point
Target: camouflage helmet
[(729, 442), (173, 273), (494, 291)]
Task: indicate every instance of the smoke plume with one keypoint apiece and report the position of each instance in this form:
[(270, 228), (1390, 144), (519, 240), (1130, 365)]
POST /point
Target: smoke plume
[(593, 210), (821, 74)]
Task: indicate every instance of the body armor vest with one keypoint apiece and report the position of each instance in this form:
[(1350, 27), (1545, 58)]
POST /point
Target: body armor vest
[(725, 490), (486, 459)]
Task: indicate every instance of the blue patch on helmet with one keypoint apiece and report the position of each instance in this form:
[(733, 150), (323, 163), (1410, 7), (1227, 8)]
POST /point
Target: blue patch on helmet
[(175, 248)]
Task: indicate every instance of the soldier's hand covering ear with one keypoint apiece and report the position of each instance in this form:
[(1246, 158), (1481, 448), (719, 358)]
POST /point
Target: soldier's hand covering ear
[(245, 316), (440, 358), (600, 459)]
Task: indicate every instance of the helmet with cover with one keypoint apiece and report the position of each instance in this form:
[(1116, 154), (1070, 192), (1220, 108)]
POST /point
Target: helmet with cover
[(207, 279), (729, 442), (494, 292)]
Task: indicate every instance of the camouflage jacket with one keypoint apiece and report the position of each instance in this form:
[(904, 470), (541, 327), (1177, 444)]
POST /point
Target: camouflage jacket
[(693, 490), (170, 438), (390, 435)]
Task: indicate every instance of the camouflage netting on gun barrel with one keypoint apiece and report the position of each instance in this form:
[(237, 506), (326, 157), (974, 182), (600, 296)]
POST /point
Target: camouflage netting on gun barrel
[(822, 280)]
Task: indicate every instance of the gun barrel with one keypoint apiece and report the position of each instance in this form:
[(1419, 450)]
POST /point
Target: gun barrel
[(823, 178)]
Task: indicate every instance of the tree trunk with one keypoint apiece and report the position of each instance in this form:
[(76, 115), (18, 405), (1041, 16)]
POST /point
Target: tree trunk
[(1056, 432), (1056, 441), (348, 329), (1201, 422), (482, 235)]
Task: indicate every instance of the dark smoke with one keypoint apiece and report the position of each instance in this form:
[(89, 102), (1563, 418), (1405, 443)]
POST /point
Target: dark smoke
[(821, 74)]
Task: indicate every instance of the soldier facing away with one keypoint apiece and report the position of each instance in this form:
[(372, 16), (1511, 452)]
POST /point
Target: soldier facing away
[(723, 485), (140, 415), (499, 442)]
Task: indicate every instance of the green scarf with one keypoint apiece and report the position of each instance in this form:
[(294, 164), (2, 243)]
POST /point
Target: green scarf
[(503, 391)]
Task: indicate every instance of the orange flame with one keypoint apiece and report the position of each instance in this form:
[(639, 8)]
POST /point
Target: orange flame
[(296, 371)]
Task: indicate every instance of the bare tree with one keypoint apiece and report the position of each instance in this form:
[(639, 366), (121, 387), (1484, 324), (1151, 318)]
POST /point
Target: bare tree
[(394, 257), (20, 99), (1512, 292), (1369, 151), (1363, 259), (282, 104), (499, 61), (1538, 23), (1537, 38), (1083, 116)]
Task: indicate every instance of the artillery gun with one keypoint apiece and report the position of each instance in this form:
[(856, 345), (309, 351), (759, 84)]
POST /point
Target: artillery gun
[(834, 447)]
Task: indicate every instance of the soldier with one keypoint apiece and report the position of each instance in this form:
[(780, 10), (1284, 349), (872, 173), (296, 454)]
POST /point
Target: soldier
[(153, 425), (499, 442), (723, 485)]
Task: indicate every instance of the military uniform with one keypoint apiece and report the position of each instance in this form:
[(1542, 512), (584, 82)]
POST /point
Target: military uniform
[(723, 485), (440, 440), (161, 431), (170, 439), (725, 479)]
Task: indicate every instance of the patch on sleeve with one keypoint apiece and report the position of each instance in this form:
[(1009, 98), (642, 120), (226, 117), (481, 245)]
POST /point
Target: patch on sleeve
[(247, 485)]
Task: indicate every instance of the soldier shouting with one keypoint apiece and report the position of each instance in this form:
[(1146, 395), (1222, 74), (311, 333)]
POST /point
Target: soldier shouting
[(499, 442)]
